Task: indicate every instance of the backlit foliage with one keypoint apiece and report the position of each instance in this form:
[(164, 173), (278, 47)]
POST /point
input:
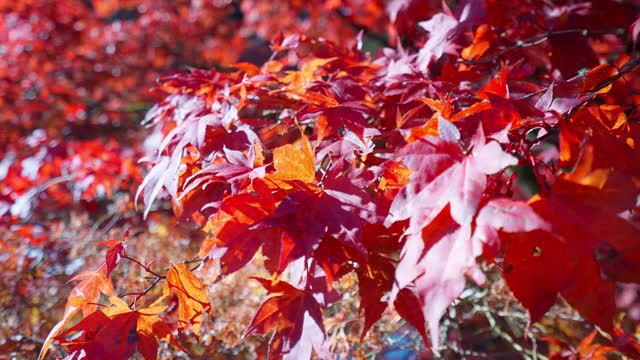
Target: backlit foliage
[(468, 167)]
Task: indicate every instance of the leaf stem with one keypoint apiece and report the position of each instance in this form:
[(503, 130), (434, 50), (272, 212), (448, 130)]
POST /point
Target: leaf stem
[(145, 267)]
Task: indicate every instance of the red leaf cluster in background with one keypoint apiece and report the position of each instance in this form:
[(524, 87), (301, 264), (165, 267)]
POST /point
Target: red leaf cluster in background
[(472, 165)]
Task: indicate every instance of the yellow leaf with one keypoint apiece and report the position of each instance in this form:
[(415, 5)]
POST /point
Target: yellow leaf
[(192, 297), (156, 327), (118, 306), (481, 42), (583, 172), (294, 162)]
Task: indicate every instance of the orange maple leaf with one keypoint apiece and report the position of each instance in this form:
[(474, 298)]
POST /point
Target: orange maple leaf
[(192, 297)]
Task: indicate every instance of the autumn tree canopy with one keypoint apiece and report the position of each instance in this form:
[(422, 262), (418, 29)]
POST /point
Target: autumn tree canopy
[(442, 179)]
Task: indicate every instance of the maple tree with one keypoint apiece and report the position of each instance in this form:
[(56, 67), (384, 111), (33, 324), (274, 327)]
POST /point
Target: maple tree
[(449, 160)]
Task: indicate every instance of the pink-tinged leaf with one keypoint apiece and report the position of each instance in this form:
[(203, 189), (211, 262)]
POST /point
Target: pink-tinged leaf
[(431, 160), (544, 102), (508, 216), (465, 188), (634, 31), (564, 105), (442, 29), (436, 261), (153, 183), (447, 130), (449, 255), (445, 27), (313, 337), (443, 175)]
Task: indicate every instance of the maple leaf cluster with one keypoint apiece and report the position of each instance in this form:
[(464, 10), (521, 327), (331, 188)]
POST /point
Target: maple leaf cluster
[(425, 151), (74, 81), (76, 77), (404, 168)]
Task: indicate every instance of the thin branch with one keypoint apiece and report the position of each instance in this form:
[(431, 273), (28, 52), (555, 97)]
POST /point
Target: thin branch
[(145, 267), (536, 40), (625, 69), (529, 354), (144, 292), (544, 89)]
